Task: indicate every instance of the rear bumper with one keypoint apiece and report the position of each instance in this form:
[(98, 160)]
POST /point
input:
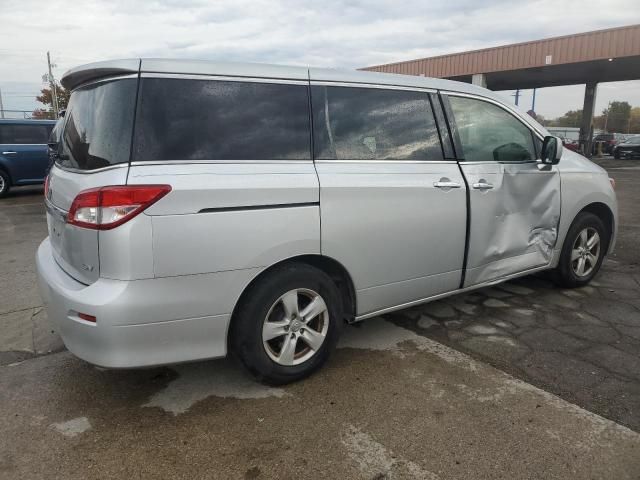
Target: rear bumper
[(140, 322)]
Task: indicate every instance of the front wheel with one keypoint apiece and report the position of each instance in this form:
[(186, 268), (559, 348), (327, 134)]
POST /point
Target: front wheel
[(582, 252), (288, 324)]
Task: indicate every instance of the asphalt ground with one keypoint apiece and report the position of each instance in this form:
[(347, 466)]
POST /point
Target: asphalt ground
[(524, 380)]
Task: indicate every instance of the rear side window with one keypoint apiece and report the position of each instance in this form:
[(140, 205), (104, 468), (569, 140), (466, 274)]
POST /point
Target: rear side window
[(24, 134), (373, 124), (98, 126), (488, 133), (182, 119)]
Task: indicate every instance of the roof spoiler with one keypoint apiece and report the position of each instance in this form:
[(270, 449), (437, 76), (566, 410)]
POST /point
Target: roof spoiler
[(92, 71)]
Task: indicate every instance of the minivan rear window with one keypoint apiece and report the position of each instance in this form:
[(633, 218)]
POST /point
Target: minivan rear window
[(185, 119), (98, 125)]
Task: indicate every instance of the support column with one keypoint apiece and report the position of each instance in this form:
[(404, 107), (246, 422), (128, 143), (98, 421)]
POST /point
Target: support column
[(586, 124), (479, 79)]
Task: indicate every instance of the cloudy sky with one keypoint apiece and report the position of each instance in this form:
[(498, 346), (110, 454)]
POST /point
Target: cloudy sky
[(330, 33)]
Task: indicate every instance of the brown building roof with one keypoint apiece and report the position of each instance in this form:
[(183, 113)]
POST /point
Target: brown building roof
[(553, 61)]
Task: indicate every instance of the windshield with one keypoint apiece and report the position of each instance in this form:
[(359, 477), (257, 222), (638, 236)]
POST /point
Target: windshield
[(98, 125), (635, 139)]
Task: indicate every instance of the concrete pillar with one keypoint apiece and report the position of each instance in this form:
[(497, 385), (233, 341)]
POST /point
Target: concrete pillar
[(479, 79), (586, 125)]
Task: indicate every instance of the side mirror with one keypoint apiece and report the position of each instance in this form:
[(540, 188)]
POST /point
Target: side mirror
[(551, 150)]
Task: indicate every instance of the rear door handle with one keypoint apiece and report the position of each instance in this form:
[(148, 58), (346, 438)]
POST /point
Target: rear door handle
[(482, 186), (10, 152), (446, 185)]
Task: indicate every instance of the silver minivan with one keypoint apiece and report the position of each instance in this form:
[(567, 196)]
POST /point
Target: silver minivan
[(200, 208)]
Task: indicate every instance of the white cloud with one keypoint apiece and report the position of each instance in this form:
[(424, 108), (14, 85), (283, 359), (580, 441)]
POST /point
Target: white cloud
[(332, 33)]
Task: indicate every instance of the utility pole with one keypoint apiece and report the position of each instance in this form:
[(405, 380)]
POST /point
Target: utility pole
[(533, 101), (517, 95), (606, 118), (2, 106), (52, 86)]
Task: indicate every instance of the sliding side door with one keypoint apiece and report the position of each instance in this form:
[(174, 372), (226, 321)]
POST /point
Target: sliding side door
[(393, 209)]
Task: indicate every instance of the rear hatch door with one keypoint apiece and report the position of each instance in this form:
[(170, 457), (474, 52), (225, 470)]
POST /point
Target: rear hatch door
[(93, 152)]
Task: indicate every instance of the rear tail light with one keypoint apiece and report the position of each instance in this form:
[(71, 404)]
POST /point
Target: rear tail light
[(105, 208), (46, 186)]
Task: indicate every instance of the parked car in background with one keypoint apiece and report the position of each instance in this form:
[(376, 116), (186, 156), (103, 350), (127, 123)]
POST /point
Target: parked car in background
[(572, 145), (24, 156), (608, 141), (187, 198), (630, 148)]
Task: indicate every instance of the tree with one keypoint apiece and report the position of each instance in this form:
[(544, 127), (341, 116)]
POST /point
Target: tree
[(570, 119), (634, 120), (617, 116), (46, 98)]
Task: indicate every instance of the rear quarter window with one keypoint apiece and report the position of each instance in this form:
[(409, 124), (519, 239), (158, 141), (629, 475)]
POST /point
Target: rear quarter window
[(98, 126), (184, 119)]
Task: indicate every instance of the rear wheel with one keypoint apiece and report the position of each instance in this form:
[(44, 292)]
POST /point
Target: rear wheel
[(5, 184), (582, 252), (288, 324)]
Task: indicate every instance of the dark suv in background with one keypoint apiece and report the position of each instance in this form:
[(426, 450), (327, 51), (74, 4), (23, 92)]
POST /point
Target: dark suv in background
[(629, 148), (24, 157)]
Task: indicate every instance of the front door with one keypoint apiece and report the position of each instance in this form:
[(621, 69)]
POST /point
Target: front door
[(514, 199)]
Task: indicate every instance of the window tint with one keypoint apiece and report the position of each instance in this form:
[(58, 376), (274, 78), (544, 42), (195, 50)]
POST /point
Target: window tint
[(23, 134), (99, 121), (373, 124), (218, 120), (489, 133)]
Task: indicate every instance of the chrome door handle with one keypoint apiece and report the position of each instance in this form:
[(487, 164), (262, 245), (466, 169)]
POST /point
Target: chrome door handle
[(10, 152), (482, 186), (446, 185)]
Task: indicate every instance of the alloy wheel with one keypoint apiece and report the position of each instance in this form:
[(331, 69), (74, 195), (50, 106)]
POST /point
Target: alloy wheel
[(295, 327), (585, 252)]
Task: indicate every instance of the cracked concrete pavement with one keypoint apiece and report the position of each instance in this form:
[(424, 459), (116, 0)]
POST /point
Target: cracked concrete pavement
[(409, 395)]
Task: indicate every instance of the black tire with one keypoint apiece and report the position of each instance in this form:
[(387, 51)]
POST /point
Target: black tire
[(616, 155), (5, 184), (246, 337), (564, 274)]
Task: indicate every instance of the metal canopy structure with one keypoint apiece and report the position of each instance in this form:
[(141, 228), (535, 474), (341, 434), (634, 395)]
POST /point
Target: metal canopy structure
[(567, 60), (585, 58)]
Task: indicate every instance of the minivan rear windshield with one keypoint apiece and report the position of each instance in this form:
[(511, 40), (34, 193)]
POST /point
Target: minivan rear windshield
[(98, 126)]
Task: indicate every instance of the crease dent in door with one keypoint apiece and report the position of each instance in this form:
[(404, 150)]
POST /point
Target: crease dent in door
[(526, 222)]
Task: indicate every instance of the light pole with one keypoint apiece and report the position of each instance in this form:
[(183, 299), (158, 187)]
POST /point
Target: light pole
[(52, 86)]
